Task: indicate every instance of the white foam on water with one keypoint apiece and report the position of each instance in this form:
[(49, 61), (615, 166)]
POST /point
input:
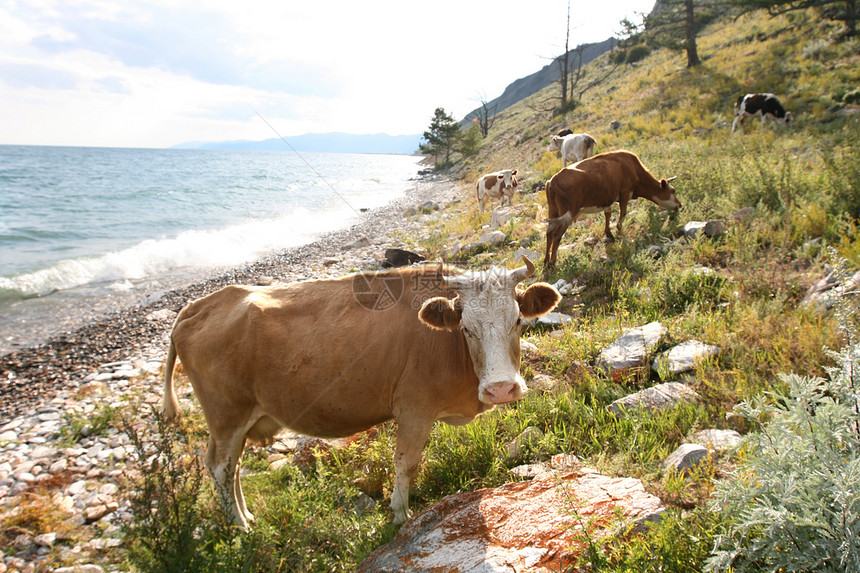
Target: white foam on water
[(188, 250)]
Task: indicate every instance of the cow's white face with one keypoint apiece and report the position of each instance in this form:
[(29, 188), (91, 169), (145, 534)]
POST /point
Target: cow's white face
[(507, 177), (667, 198), (488, 310), (555, 143)]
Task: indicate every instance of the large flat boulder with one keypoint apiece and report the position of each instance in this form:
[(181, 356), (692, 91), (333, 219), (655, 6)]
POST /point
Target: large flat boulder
[(528, 527), (654, 399)]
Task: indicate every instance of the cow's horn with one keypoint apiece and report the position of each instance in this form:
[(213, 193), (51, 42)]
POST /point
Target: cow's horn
[(522, 273), (672, 178)]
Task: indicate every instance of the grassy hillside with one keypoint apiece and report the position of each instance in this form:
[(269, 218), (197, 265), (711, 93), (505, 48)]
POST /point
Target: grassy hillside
[(804, 185)]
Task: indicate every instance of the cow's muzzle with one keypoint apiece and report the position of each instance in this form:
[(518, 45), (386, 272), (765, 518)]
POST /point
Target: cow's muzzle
[(502, 392)]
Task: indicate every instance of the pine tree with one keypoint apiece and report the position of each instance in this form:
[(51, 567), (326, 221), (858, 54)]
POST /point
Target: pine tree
[(675, 24), (441, 138)]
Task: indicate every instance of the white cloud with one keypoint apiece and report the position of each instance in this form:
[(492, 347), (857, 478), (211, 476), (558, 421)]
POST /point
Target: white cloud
[(153, 73)]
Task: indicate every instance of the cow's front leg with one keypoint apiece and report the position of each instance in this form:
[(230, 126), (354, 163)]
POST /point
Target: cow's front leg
[(411, 437)]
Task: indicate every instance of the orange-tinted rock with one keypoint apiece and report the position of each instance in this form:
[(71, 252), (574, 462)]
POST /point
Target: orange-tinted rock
[(532, 526)]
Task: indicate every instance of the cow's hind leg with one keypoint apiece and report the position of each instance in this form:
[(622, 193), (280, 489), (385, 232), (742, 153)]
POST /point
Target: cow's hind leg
[(222, 459), (240, 497), (554, 232), (622, 213), (411, 436), (607, 215)]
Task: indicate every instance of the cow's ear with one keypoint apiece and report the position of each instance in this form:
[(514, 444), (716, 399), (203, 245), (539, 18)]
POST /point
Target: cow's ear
[(441, 313), (514, 172), (537, 300), (664, 184)]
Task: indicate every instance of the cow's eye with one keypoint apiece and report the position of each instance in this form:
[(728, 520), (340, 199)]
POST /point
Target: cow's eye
[(466, 332)]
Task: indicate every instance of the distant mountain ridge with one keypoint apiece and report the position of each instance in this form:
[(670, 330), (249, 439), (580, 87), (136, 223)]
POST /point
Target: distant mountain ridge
[(335, 142), (549, 74)]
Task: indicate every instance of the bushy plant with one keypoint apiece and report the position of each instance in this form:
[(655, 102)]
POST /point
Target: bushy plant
[(794, 501), (176, 525), (637, 53)]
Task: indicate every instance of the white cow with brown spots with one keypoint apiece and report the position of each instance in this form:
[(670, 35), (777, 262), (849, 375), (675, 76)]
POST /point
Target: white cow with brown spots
[(330, 358), (499, 184)]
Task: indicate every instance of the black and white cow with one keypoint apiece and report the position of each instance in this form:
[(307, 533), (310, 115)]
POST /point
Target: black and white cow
[(761, 105)]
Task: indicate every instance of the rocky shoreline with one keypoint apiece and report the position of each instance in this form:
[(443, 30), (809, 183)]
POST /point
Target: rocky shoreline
[(52, 396)]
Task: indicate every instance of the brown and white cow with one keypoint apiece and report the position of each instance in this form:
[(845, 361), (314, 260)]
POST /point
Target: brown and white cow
[(594, 185), (330, 358), (766, 106), (574, 147), (499, 184)]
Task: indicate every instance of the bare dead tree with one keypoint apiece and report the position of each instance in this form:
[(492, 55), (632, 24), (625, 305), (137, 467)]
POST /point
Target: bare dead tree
[(485, 115), (563, 61)]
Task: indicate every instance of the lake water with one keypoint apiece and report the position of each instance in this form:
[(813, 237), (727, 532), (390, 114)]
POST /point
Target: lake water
[(80, 225)]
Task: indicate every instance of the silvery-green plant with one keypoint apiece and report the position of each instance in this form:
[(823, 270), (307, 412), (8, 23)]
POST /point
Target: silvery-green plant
[(793, 504)]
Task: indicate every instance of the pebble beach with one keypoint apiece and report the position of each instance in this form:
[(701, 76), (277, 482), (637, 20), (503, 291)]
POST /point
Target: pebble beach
[(116, 360)]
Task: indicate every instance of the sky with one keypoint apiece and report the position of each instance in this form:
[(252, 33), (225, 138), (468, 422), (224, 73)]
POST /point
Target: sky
[(155, 73)]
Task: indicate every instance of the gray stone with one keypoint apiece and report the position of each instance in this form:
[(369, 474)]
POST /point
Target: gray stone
[(529, 348), (533, 256), (743, 214), (86, 568), (827, 291), (501, 215), (631, 349), (554, 319), (42, 452), (686, 458), (493, 238), (692, 228), (542, 383), (716, 440), (682, 358), (714, 228), (527, 437), (658, 397)]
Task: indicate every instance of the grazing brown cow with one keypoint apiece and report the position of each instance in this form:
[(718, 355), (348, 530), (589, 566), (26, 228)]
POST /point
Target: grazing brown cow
[(499, 184), (592, 186), (331, 358)]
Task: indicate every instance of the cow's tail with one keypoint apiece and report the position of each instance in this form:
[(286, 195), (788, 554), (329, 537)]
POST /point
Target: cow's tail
[(557, 203), (562, 223), (589, 146), (169, 403)]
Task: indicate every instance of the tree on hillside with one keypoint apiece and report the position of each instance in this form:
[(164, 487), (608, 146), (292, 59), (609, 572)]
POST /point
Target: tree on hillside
[(440, 138), (845, 11), (675, 24), (470, 141)]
